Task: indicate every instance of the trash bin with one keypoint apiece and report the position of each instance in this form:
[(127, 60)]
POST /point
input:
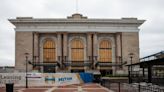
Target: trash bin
[(9, 87)]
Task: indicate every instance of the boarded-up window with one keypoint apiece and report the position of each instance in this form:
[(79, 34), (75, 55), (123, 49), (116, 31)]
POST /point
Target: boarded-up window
[(105, 51), (49, 52), (77, 50)]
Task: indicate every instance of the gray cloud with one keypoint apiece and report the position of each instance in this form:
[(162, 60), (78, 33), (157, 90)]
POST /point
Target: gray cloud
[(151, 33)]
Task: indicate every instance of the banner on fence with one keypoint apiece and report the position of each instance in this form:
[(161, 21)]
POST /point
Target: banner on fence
[(16, 78), (40, 79)]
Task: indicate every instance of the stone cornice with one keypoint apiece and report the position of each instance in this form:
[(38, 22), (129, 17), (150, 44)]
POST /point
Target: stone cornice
[(76, 23), (30, 20)]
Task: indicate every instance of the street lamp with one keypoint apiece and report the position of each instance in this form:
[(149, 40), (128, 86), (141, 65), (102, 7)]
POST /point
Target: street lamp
[(131, 58), (26, 56)]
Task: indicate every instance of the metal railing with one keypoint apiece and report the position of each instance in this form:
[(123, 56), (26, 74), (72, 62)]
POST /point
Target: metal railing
[(133, 87), (77, 63), (55, 63), (110, 63)]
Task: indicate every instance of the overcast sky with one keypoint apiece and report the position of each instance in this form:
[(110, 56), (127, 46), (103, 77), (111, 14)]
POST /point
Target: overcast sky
[(151, 33)]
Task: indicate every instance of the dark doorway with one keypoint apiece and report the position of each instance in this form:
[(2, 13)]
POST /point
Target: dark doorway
[(49, 69), (76, 71), (106, 72)]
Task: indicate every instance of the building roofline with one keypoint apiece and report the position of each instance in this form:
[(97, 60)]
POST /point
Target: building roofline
[(62, 20), (76, 18)]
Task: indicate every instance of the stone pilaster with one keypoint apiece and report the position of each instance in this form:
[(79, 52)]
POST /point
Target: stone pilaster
[(59, 47), (65, 44), (118, 48), (36, 44), (95, 43), (65, 49), (35, 49), (95, 48), (89, 45)]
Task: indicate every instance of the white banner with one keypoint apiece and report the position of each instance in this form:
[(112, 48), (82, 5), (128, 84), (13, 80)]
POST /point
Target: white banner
[(62, 78), (16, 78), (40, 79)]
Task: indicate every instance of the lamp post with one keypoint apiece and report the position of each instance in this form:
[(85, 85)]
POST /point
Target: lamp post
[(131, 58), (26, 56)]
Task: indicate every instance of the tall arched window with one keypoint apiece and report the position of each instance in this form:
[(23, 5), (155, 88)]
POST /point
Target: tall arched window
[(77, 50), (105, 51), (49, 51)]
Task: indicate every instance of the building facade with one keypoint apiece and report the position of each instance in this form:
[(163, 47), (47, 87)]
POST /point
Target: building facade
[(76, 44)]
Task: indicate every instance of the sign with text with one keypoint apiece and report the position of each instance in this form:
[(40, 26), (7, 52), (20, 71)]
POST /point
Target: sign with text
[(62, 78), (40, 79), (16, 78)]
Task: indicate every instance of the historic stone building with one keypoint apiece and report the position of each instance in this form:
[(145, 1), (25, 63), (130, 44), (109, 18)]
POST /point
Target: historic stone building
[(76, 44)]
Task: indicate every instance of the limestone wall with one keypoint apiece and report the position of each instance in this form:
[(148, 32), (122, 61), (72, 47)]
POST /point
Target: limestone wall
[(23, 44), (130, 44), (122, 44)]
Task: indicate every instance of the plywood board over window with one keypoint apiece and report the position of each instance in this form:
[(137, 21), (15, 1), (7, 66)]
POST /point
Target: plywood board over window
[(105, 51), (77, 50), (49, 51)]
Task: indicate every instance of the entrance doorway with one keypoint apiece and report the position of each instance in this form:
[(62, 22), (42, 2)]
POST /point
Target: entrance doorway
[(106, 72), (77, 70), (49, 69)]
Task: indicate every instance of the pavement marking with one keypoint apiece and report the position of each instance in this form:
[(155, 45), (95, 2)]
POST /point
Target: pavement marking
[(38, 88), (21, 90), (102, 87), (76, 88), (51, 89), (108, 90), (80, 89)]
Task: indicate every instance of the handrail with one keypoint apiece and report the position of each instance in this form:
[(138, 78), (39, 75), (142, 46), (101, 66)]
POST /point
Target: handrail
[(45, 63), (110, 63), (77, 63)]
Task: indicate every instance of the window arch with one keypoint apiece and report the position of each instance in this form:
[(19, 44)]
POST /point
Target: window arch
[(49, 51), (105, 51), (77, 50)]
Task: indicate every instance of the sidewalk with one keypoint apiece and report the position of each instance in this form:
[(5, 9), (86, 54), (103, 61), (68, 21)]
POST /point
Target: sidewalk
[(92, 87)]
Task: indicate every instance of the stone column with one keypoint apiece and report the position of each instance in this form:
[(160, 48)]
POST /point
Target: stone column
[(59, 47), (36, 50), (65, 45), (89, 49), (118, 44), (118, 49), (65, 48), (36, 44), (95, 43), (89, 45)]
